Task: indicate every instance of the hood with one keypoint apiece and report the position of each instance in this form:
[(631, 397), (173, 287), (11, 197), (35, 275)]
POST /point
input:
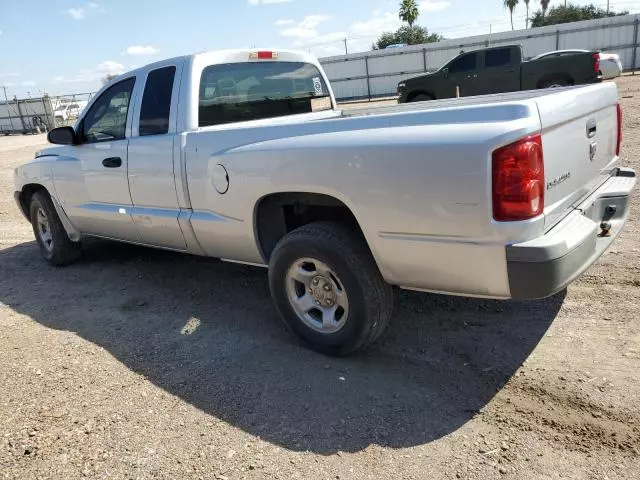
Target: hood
[(51, 151)]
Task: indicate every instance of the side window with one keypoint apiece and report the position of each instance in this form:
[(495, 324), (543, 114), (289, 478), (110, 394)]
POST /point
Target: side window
[(499, 57), (107, 117), (464, 64), (156, 102)]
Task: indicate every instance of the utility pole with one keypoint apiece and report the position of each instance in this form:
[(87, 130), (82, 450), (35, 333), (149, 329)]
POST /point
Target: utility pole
[(346, 51), (607, 7), (6, 101)]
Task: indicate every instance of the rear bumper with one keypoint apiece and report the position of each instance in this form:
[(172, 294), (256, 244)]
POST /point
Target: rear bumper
[(543, 266)]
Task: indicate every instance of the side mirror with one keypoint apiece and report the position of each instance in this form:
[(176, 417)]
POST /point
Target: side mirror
[(62, 136), (445, 70)]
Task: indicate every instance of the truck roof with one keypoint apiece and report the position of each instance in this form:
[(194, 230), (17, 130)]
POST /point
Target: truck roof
[(228, 56)]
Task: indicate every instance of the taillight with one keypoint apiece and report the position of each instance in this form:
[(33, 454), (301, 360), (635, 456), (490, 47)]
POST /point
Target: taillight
[(619, 141), (596, 62), (263, 55), (518, 180)]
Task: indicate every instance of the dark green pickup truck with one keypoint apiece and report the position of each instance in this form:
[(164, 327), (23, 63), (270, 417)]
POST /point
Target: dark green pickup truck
[(498, 70)]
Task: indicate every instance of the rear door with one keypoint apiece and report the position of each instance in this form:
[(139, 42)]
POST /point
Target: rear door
[(151, 160), (501, 71)]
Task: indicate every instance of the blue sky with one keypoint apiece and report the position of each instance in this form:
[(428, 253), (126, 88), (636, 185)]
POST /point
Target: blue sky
[(66, 46)]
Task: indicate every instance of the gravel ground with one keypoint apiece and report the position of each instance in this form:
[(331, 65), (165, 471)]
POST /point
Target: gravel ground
[(138, 364)]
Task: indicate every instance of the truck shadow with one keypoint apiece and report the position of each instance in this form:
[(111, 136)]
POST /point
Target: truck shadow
[(206, 332)]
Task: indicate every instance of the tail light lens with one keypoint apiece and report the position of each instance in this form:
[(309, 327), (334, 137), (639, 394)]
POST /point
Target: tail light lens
[(263, 55), (596, 62), (518, 180), (619, 142)]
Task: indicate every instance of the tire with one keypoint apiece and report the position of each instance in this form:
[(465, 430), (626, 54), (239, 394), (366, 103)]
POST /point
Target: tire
[(55, 246), (355, 283), (555, 83), (421, 97)]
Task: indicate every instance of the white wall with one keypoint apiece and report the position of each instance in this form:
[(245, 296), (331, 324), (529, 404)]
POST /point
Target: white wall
[(10, 120), (348, 73)]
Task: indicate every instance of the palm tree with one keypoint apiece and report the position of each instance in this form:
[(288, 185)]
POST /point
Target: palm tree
[(544, 4), (526, 3), (511, 5), (409, 11)]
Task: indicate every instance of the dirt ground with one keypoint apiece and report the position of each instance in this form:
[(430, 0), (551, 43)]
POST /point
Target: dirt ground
[(140, 364)]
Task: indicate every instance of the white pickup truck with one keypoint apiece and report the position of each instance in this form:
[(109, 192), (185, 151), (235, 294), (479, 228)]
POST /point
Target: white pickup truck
[(243, 156)]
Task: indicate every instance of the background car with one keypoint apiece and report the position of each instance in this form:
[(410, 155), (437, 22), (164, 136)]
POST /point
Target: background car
[(610, 64)]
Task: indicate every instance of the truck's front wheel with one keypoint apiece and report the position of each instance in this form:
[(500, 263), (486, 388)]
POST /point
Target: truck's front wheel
[(328, 290), (55, 246)]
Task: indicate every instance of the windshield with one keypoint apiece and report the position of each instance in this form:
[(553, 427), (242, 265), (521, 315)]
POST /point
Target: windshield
[(254, 90)]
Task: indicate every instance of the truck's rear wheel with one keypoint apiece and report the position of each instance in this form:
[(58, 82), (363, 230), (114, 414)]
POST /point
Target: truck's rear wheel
[(54, 243), (328, 290), (556, 83), (421, 97)]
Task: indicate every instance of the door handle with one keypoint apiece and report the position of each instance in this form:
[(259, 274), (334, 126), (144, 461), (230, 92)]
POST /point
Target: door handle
[(112, 162), (591, 128)]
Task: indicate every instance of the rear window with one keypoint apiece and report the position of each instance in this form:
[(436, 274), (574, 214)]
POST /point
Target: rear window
[(237, 92), (497, 58)]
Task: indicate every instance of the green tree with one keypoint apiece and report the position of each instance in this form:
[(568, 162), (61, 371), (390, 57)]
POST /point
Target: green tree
[(545, 5), (409, 11), (526, 21), (570, 13), (511, 5), (414, 35)]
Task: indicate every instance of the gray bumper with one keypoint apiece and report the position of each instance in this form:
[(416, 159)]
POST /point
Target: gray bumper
[(543, 266)]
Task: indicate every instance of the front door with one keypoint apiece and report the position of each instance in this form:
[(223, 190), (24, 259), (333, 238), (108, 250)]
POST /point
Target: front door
[(96, 191), (464, 72)]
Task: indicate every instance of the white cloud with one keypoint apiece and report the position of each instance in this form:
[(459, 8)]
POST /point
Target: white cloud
[(433, 5), (141, 50), (305, 29), (28, 83), (9, 74), (384, 22), (90, 8), (285, 22), (267, 2), (77, 13), (110, 67)]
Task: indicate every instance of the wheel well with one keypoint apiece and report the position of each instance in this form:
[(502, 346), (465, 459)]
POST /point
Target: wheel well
[(280, 213), (555, 76), (25, 197), (413, 95)]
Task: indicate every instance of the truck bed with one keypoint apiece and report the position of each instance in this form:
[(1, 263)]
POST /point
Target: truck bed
[(452, 102)]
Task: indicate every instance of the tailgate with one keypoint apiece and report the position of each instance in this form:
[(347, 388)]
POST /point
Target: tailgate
[(579, 137)]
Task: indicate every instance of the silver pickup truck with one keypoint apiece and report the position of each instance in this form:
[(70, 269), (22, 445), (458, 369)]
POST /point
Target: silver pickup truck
[(243, 156)]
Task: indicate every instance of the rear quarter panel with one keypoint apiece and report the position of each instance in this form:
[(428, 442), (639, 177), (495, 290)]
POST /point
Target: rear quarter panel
[(577, 68), (417, 182)]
